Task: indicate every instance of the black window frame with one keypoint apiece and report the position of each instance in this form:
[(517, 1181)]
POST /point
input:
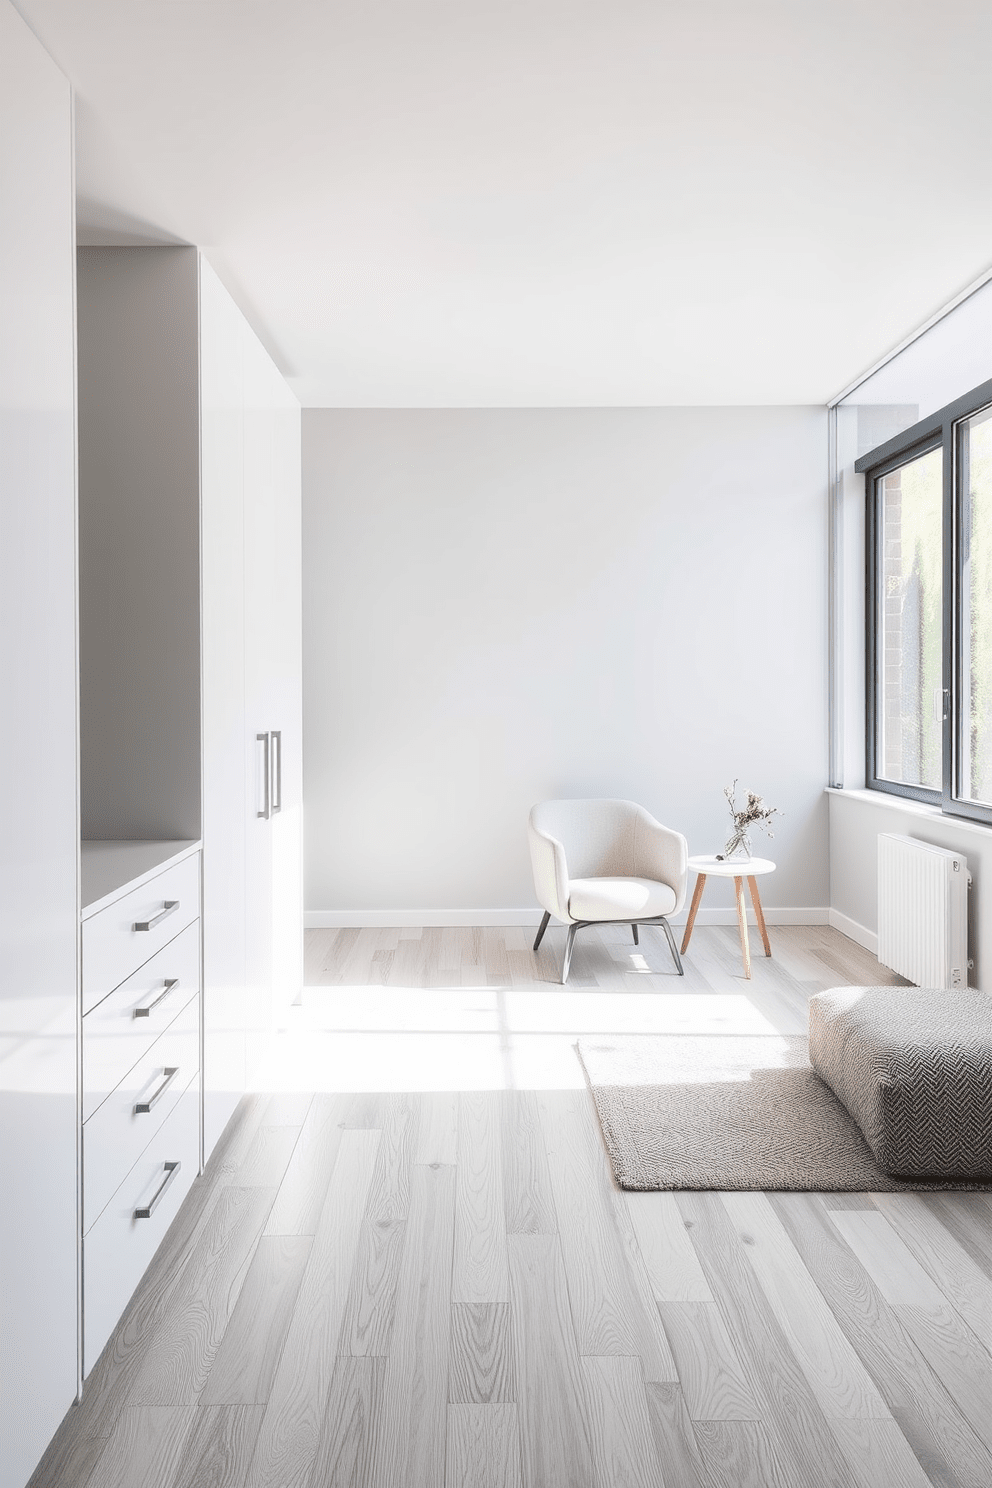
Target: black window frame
[(938, 431)]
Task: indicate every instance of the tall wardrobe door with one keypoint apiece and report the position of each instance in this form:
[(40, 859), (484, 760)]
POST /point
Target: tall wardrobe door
[(287, 630), (39, 841), (261, 661), (225, 782), (273, 691)]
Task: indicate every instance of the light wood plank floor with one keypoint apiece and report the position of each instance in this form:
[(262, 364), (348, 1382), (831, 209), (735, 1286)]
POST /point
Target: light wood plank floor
[(430, 1280)]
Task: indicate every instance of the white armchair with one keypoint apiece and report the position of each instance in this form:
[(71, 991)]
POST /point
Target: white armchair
[(598, 861)]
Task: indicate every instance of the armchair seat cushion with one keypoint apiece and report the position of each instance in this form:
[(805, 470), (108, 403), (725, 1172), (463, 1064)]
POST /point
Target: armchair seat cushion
[(619, 899)]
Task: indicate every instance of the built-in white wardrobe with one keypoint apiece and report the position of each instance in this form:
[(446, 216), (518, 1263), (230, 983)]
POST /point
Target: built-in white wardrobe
[(190, 728), (190, 618), (150, 915)]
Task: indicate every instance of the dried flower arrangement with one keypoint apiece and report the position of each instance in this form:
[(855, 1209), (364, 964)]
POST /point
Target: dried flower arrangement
[(753, 814)]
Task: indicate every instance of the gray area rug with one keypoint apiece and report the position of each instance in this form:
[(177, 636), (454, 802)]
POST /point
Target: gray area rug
[(715, 1112)]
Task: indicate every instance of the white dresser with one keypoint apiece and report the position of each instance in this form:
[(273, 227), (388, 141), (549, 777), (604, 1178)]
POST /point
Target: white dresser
[(141, 1048), (191, 719)]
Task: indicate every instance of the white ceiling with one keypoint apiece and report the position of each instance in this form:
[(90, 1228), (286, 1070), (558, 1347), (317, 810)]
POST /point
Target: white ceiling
[(547, 202)]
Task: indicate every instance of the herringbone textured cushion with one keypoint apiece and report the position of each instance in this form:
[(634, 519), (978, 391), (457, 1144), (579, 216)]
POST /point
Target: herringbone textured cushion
[(914, 1069)]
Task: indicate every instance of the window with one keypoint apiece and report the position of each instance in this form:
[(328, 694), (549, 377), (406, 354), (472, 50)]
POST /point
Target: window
[(929, 511)]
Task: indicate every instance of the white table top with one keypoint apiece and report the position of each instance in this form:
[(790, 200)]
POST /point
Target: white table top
[(736, 867)]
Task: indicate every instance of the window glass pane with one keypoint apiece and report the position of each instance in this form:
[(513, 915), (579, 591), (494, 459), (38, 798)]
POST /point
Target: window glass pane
[(909, 622), (975, 713)]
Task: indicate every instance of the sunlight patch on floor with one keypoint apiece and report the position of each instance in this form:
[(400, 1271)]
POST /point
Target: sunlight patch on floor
[(378, 1009), (375, 1038), (638, 963)]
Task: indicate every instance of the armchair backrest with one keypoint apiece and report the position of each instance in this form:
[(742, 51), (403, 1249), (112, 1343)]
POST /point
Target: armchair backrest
[(599, 836)]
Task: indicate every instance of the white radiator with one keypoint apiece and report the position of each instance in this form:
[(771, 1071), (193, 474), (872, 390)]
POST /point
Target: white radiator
[(922, 911)]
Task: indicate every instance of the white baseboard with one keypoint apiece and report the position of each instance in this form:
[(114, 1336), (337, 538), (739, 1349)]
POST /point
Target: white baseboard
[(383, 919), (854, 931), (813, 915), (723, 917)]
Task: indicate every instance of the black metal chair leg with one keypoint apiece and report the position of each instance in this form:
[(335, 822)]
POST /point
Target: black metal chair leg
[(569, 942), (544, 926), (675, 950), (634, 928)]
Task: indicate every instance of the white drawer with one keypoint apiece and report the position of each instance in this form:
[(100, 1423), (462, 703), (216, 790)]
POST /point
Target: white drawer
[(118, 1248), (113, 948), (118, 1132), (123, 1027)]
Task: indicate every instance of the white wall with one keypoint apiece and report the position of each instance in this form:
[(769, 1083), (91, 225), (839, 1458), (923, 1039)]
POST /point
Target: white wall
[(505, 606)]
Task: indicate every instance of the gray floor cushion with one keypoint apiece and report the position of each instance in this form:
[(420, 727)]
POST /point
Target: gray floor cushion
[(914, 1068)]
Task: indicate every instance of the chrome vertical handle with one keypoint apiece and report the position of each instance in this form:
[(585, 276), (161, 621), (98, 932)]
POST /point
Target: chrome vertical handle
[(171, 1169), (263, 739), (276, 737)]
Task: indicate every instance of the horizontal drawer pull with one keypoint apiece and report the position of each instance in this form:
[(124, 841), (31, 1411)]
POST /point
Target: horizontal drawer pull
[(171, 1171), (143, 1107), (145, 1011), (170, 907)]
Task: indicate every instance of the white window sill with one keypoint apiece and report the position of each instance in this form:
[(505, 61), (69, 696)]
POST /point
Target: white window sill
[(909, 807)]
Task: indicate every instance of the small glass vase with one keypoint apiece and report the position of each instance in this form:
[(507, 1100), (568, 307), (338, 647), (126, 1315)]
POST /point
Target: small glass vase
[(738, 846)]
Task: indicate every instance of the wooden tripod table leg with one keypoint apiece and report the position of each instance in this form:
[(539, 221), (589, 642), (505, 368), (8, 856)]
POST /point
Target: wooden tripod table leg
[(697, 894), (753, 885), (742, 925)]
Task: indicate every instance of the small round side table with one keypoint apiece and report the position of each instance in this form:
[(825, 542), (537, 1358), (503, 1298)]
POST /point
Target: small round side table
[(738, 869)]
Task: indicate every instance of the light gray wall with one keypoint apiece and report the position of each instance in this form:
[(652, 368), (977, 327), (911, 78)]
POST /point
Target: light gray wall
[(506, 606)]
